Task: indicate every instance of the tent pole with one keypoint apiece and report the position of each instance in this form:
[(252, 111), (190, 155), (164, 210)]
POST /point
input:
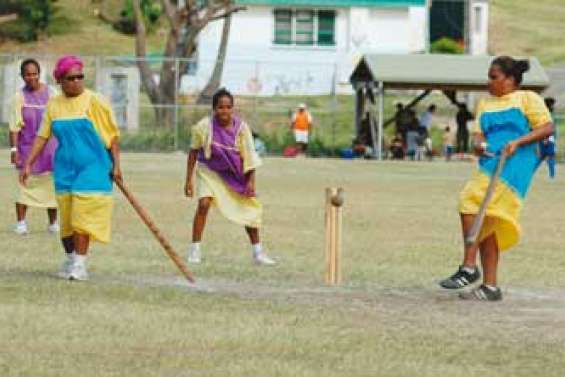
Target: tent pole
[(381, 121)]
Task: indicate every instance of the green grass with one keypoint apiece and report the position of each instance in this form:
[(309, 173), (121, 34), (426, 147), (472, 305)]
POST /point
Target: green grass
[(401, 234), (525, 27), (79, 31)]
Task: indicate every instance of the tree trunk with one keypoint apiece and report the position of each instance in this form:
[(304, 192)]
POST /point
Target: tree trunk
[(193, 18), (216, 79)]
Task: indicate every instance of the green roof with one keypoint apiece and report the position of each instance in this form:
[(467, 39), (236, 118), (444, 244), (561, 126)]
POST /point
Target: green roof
[(335, 3), (436, 71)]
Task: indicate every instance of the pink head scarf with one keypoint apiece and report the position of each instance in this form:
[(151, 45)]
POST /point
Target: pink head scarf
[(64, 65)]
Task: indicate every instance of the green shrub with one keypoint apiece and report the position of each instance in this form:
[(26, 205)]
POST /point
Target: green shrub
[(34, 18), (151, 10), (446, 45)]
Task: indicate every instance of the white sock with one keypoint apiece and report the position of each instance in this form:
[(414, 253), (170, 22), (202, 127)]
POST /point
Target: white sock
[(257, 248), (492, 288), (71, 255), (469, 270), (21, 223), (79, 259), (195, 246)]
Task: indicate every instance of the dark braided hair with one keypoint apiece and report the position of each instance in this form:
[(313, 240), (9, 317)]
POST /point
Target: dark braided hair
[(512, 67), (222, 92), (29, 61)]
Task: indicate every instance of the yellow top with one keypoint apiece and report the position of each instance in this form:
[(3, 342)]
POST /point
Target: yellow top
[(90, 104), (529, 103), (15, 119)]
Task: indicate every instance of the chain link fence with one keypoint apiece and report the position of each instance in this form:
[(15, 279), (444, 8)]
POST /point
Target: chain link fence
[(267, 92)]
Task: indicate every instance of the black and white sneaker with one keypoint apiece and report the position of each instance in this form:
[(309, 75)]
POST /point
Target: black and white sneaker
[(461, 278), (482, 293)]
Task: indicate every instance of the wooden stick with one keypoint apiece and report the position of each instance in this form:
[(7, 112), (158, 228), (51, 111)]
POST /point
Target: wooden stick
[(334, 200), (338, 236), (476, 228), (153, 228), (328, 208)]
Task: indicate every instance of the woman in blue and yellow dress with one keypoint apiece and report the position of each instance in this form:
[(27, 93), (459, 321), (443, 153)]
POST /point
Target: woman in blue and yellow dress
[(510, 120), (86, 160)]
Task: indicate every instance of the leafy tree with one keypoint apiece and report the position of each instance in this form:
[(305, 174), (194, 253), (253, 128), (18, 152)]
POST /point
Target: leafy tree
[(184, 25), (33, 19)]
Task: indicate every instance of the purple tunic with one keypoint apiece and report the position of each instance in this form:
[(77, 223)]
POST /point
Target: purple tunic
[(225, 159), (34, 104)]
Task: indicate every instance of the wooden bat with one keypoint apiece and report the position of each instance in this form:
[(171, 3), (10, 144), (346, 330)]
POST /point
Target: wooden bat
[(156, 232), (473, 235)]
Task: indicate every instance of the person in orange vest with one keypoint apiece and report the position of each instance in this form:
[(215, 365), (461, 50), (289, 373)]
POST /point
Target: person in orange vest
[(301, 125)]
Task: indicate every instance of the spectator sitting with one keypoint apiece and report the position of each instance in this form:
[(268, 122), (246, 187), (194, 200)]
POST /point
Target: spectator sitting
[(397, 147)]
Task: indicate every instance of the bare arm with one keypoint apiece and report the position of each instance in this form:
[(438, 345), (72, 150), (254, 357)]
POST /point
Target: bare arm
[(250, 190), (115, 152), (190, 164), (537, 134), (14, 155), (38, 145)]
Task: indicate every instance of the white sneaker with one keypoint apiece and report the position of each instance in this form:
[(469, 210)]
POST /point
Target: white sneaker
[(78, 272), (194, 255), (20, 228), (53, 228), (66, 268), (263, 259)]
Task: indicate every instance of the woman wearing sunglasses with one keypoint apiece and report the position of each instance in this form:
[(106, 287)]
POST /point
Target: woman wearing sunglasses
[(86, 160)]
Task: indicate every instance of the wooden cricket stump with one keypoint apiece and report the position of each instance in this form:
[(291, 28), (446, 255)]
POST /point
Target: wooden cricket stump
[(334, 210)]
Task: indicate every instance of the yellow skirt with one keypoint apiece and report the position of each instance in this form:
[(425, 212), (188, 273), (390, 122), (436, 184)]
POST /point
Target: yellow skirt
[(39, 191), (237, 208), (86, 214), (503, 211)]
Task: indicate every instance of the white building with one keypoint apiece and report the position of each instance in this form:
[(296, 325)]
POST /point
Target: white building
[(308, 46)]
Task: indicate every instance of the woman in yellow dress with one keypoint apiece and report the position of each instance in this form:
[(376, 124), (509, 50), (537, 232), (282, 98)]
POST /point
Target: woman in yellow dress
[(224, 157), (510, 120), (27, 110), (86, 160)]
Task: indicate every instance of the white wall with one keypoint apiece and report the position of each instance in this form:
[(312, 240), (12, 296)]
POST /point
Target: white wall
[(255, 65)]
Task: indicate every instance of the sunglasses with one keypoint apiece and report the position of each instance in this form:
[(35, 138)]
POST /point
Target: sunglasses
[(74, 77)]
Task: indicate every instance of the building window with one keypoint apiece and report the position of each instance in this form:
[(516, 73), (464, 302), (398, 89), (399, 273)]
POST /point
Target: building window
[(305, 27), (283, 26), (326, 27)]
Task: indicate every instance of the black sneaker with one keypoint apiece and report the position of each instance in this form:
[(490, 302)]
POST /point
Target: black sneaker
[(482, 293), (460, 279)]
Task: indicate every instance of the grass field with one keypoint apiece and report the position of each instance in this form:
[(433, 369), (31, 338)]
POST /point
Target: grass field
[(136, 316)]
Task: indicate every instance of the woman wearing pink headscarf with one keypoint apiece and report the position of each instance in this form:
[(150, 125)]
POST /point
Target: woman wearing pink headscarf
[(86, 160)]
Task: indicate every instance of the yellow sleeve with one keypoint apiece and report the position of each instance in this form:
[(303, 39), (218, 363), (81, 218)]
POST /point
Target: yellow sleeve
[(102, 115), (476, 125), (535, 110), (45, 128), (15, 119), (246, 148), (198, 134)]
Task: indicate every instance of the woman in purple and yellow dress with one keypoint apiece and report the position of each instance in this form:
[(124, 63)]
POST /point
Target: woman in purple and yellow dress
[(224, 157), (27, 111), (86, 160), (513, 121)]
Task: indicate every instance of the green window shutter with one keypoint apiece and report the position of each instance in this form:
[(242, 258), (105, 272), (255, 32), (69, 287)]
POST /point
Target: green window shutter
[(283, 26), (304, 27), (326, 28)]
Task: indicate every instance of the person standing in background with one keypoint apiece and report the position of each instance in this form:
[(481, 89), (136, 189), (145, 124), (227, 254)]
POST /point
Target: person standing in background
[(301, 125), (28, 106)]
